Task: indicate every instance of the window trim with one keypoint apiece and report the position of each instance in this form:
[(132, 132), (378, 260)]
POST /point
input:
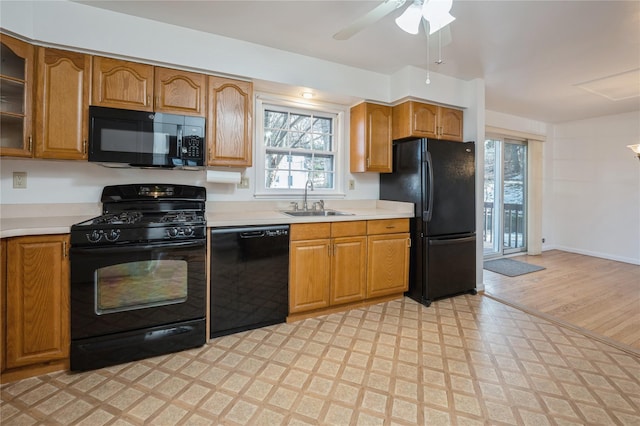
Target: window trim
[(339, 141)]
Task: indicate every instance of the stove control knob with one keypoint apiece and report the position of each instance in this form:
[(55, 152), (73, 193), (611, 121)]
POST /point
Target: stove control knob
[(112, 235), (172, 232), (188, 232), (94, 236)]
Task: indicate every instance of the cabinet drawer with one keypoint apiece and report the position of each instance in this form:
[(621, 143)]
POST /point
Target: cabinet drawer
[(348, 229), (309, 231), (387, 226)]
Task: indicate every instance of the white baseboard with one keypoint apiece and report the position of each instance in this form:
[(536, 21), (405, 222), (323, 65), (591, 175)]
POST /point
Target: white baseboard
[(595, 254)]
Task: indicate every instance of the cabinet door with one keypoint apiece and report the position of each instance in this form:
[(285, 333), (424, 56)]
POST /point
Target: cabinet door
[(16, 81), (179, 92), (414, 119), (348, 269), (309, 275), (62, 104), (230, 122), (37, 300), (450, 124), (387, 264), (370, 138), (122, 84), (378, 138)]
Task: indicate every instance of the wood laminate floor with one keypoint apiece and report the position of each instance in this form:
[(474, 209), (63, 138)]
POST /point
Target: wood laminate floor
[(598, 295)]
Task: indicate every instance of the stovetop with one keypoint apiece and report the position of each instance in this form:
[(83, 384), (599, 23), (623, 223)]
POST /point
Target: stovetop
[(143, 213)]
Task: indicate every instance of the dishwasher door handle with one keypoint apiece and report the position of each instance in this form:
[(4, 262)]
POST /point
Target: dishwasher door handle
[(252, 234)]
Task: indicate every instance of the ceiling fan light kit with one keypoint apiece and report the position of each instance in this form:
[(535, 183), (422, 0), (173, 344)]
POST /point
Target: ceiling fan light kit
[(410, 19), (434, 11)]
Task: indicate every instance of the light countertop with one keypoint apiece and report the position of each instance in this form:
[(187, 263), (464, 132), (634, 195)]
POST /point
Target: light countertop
[(43, 219)]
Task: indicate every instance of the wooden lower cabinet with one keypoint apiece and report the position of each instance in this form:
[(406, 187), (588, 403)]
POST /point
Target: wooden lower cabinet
[(309, 275), (340, 264), (37, 306), (327, 265), (389, 245), (387, 264)]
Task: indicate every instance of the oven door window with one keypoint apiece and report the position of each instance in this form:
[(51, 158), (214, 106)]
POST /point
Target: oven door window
[(137, 285)]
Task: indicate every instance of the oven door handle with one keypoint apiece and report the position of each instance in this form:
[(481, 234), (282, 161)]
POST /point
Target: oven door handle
[(138, 247)]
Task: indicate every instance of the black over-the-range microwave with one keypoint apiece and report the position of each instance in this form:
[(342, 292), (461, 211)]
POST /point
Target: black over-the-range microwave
[(120, 137)]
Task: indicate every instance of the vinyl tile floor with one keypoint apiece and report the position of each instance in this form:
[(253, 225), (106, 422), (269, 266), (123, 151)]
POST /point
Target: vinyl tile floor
[(468, 360)]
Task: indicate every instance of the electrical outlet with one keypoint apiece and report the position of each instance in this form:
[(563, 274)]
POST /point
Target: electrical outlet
[(352, 184), (20, 180), (244, 183), (544, 240)]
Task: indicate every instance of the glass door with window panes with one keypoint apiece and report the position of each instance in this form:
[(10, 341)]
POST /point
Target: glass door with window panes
[(505, 195)]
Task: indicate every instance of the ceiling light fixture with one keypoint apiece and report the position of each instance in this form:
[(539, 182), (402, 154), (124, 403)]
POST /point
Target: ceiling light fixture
[(410, 19), (307, 95), (635, 148), (437, 13), (434, 11)]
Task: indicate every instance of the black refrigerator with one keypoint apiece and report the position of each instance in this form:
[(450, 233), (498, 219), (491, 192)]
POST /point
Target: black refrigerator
[(439, 178)]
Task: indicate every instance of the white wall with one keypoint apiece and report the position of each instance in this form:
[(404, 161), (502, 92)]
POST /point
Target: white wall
[(594, 187)]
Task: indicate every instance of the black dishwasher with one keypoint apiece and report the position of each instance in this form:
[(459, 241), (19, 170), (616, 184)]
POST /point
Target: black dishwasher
[(249, 277)]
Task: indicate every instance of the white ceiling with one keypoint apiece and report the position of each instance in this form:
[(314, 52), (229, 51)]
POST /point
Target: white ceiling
[(531, 54)]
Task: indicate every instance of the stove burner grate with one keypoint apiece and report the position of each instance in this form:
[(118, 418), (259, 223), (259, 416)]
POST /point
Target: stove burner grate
[(180, 216), (119, 218)]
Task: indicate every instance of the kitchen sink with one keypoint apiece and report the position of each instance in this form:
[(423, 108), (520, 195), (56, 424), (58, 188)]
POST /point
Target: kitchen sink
[(298, 213)]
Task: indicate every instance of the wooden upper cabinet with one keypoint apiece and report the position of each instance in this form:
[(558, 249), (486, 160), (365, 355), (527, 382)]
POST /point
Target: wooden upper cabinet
[(16, 87), (370, 135), (420, 120), (38, 324), (62, 104), (450, 121), (230, 122), (415, 119), (179, 92), (122, 84)]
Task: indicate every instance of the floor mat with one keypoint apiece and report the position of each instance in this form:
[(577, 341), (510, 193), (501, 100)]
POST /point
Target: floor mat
[(510, 267)]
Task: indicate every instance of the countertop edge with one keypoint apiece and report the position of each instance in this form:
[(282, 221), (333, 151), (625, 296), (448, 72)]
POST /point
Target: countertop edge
[(25, 226)]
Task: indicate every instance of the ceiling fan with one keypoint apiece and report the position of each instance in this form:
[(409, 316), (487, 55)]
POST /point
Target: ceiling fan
[(435, 12)]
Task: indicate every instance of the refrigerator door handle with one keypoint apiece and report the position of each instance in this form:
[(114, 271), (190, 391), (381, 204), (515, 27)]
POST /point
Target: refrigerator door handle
[(433, 242), (429, 210)]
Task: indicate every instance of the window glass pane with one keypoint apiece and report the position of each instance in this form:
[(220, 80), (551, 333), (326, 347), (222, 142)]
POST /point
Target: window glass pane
[(322, 180), (322, 125), (277, 179), (321, 142), (301, 123), (322, 163), (275, 119), (301, 140), (275, 138)]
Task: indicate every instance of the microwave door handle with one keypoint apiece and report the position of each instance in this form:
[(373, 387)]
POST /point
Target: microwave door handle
[(181, 151)]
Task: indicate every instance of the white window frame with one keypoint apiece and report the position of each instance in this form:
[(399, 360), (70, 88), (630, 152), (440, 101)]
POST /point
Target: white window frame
[(264, 100)]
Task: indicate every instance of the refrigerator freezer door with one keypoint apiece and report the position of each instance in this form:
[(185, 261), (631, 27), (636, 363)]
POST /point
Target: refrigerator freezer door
[(452, 168), (451, 266)]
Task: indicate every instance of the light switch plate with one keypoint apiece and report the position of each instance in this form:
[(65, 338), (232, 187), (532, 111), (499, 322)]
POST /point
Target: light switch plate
[(20, 180), (352, 184)]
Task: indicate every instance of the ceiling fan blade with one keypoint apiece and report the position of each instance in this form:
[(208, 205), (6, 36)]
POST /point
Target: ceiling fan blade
[(368, 18)]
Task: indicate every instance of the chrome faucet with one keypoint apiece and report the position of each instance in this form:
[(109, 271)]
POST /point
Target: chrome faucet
[(305, 206)]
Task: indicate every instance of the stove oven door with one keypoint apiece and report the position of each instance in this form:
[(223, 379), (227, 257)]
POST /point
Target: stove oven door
[(137, 295)]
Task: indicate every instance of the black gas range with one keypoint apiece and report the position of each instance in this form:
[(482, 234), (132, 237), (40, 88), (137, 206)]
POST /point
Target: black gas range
[(138, 280)]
